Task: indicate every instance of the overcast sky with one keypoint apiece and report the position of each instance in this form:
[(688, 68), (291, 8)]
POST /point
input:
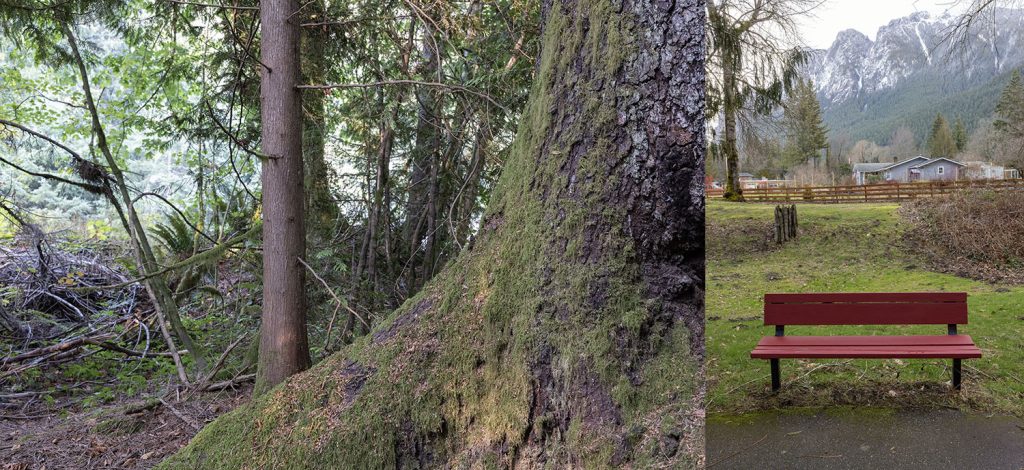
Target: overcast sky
[(865, 16)]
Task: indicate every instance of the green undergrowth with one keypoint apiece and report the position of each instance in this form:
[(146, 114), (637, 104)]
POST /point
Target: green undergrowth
[(452, 377), (846, 248)]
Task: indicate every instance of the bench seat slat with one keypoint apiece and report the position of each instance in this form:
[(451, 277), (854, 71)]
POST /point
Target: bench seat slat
[(826, 352), (868, 347), (921, 340)]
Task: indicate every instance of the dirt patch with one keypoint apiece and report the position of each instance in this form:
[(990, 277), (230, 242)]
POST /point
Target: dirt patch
[(972, 234), (129, 436), (732, 239)]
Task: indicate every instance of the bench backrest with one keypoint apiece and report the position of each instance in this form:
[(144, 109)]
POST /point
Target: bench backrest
[(898, 308)]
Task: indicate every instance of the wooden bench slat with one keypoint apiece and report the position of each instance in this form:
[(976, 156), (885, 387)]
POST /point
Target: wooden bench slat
[(899, 297), (865, 314), (910, 352), (920, 340)]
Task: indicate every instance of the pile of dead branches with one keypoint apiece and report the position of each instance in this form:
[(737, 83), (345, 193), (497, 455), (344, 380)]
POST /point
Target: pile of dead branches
[(973, 234), (55, 301)]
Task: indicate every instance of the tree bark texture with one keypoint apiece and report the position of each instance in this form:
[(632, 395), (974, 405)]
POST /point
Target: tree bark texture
[(283, 342), (570, 334)]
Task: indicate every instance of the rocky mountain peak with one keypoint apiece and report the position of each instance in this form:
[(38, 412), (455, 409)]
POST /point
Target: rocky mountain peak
[(855, 66)]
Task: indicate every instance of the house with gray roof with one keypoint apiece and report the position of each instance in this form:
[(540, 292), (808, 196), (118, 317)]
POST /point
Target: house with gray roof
[(864, 173), (937, 169), (918, 168)]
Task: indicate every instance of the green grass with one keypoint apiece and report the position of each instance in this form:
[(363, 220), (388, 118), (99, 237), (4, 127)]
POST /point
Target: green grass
[(846, 248)]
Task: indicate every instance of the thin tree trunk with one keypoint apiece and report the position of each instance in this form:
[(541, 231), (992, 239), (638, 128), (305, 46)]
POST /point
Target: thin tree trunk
[(467, 202), (424, 159), (321, 211), (284, 346), (383, 176), (365, 275), (733, 190)]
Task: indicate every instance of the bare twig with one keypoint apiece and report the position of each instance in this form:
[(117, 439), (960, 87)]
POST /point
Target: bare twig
[(339, 301), (734, 454), (201, 385), (179, 415)]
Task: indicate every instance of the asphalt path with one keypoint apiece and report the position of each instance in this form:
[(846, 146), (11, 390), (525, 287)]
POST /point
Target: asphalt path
[(865, 439)]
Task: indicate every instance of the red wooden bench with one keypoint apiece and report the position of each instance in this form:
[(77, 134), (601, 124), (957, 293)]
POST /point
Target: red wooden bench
[(918, 308)]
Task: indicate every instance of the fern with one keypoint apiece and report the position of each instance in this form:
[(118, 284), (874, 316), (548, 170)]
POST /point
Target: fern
[(175, 236)]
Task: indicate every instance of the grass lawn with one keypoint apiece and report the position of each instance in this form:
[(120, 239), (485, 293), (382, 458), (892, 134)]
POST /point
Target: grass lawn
[(845, 248)]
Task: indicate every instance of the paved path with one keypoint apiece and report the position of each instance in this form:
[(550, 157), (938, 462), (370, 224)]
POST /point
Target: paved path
[(871, 439)]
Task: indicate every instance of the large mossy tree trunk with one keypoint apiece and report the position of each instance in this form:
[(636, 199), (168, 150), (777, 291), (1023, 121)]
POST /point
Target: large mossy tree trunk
[(571, 332)]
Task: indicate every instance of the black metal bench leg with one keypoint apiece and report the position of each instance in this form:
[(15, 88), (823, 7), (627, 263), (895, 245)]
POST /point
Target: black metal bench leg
[(956, 374), (776, 381)]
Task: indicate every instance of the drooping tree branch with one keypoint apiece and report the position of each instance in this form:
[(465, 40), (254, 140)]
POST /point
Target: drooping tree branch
[(90, 187)]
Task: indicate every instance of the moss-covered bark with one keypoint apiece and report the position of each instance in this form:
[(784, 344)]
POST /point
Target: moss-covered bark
[(571, 333)]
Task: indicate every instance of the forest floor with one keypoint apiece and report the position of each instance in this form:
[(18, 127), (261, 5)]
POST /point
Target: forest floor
[(134, 435), (852, 248)]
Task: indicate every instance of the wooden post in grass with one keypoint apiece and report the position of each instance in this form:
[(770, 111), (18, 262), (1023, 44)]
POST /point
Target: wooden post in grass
[(785, 223)]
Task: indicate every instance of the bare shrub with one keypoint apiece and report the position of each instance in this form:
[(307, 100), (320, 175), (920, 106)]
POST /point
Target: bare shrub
[(975, 234)]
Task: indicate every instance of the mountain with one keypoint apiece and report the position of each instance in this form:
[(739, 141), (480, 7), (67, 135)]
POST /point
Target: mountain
[(910, 72)]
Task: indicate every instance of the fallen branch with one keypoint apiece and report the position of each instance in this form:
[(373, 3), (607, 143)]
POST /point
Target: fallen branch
[(179, 415), (201, 257), (202, 383), (225, 384), (52, 349)]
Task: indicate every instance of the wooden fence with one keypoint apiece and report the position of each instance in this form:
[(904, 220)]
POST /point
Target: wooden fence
[(885, 192)]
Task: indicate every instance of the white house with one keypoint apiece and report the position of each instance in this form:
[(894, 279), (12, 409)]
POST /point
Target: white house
[(988, 171)]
